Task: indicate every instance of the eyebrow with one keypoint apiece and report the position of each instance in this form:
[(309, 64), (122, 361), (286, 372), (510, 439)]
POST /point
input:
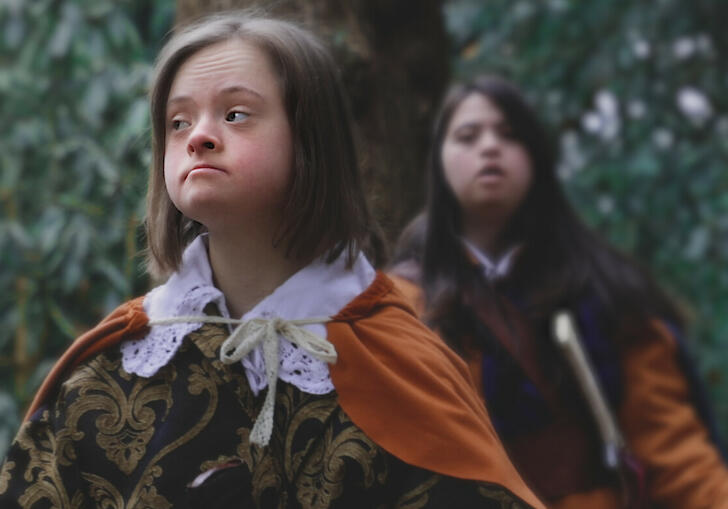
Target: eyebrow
[(233, 89), (468, 125), (476, 124)]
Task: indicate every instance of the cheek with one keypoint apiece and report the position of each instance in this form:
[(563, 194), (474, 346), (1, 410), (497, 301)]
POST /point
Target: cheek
[(522, 172), (261, 177), (168, 173), (269, 165), (453, 164)]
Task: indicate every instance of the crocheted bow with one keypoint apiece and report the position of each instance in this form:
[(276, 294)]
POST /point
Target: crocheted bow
[(266, 332)]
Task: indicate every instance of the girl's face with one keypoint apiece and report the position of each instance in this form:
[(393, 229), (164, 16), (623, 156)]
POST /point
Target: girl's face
[(228, 151), (487, 169)]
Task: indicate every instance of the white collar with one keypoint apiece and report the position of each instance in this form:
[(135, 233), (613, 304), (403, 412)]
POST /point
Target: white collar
[(493, 269), (317, 290)]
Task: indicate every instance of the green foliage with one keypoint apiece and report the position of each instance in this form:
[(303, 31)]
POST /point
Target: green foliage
[(73, 163), (635, 92)]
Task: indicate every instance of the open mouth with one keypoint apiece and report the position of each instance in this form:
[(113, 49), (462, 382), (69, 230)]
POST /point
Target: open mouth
[(491, 171)]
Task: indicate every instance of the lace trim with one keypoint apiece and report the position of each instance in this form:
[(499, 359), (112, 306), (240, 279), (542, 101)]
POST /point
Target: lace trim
[(318, 289), (265, 334), (145, 356)]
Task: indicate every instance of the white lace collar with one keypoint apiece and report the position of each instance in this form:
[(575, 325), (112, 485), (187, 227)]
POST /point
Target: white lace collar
[(493, 269), (319, 289)]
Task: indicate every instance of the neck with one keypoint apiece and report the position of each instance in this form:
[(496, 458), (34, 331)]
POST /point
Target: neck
[(487, 236), (247, 269)]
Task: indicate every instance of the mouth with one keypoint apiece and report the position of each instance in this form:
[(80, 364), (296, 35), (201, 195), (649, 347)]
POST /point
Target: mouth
[(202, 168), (491, 171)]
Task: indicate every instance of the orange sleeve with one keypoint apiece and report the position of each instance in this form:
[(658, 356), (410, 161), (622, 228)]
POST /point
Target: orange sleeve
[(662, 428)]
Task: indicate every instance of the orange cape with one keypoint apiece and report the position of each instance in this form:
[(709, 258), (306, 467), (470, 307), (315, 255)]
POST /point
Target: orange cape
[(394, 377)]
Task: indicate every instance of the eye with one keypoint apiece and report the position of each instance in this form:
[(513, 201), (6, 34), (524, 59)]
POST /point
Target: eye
[(178, 124), (466, 136), (236, 116)]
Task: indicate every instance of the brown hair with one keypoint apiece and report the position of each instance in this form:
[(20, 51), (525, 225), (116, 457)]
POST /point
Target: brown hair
[(326, 209)]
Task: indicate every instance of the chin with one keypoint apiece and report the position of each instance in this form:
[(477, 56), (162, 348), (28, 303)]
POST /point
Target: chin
[(201, 209), (493, 205), (489, 201)]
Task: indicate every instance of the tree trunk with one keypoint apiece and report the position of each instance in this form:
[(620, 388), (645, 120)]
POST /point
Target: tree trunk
[(394, 58)]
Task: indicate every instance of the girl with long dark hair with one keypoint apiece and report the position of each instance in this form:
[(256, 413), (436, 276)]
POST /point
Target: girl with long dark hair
[(497, 253)]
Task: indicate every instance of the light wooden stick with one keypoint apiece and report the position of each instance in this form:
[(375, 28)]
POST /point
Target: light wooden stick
[(567, 339)]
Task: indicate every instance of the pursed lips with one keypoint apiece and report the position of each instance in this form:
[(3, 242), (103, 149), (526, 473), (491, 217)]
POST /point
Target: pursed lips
[(202, 167)]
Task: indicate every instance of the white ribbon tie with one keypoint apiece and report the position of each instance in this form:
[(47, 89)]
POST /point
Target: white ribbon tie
[(247, 336)]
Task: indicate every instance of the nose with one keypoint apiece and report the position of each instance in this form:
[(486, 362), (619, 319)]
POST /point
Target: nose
[(489, 142), (203, 137)]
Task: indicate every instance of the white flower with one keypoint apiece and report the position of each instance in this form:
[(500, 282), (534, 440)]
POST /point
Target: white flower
[(606, 103), (592, 122), (608, 107), (683, 48), (693, 103), (572, 158), (611, 128), (605, 121)]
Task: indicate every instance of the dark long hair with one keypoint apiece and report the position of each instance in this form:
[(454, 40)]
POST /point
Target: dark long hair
[(561, 261)]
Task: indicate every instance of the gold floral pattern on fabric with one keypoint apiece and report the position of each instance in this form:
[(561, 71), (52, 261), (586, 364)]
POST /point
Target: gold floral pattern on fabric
[(321, 479), (5, 475), (417, 498), (202, 379), (125, 424), (117, 441), (209, 339), (501, 496), (42, 474), (103, 492)]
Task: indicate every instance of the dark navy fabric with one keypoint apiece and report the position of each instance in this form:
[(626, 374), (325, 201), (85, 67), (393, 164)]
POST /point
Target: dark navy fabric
[(514, 402)]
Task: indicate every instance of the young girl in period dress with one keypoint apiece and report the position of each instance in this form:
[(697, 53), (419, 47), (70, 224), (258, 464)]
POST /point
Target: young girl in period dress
[(497, 253), (327, 391)]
